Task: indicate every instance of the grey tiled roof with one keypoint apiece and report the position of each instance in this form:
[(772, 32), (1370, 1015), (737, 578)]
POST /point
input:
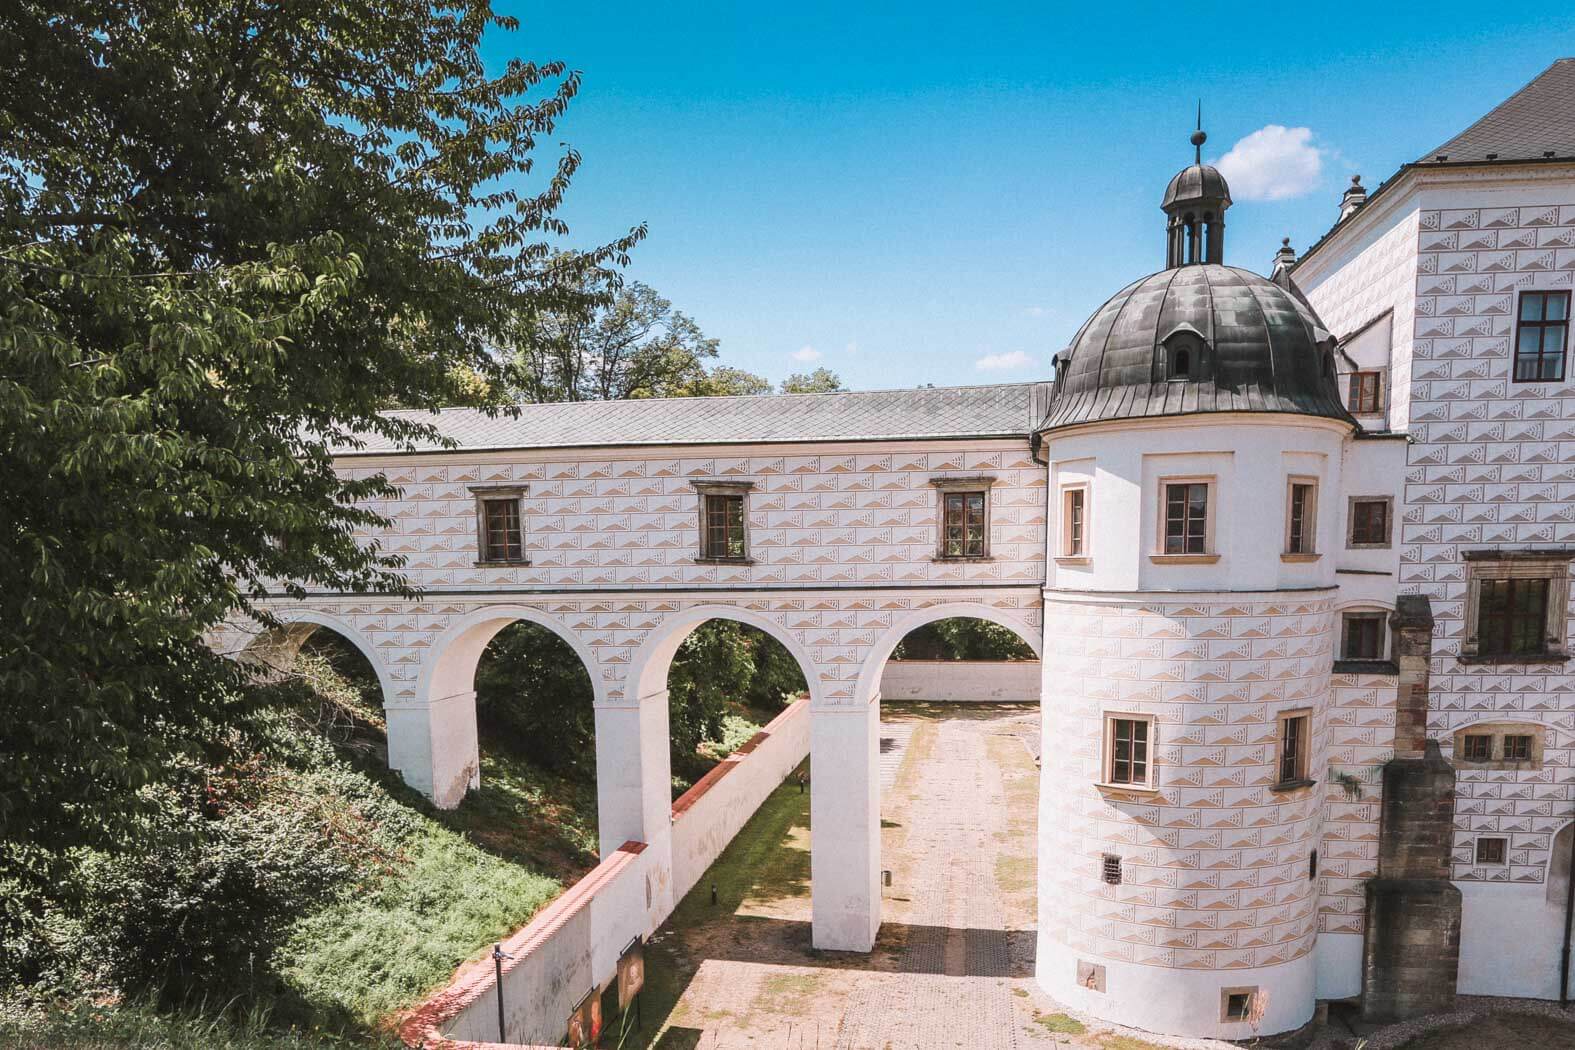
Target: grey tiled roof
[(1002, 410), (1531, 123)]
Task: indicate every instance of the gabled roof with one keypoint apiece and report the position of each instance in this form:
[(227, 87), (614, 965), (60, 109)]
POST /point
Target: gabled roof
[(1000, 410), (1535, 123)]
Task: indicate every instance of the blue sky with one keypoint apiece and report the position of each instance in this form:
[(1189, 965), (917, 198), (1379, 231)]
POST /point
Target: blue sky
[(941, 193)]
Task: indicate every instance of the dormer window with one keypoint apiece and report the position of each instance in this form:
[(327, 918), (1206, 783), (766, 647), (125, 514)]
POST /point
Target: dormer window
[(1183, 357)]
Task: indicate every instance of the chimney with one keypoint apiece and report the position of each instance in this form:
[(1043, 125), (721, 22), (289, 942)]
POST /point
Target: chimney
[(1354, 198), (1284, 259)]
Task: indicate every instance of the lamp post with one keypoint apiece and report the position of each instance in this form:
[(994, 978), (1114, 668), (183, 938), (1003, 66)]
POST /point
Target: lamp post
[(498, 955)]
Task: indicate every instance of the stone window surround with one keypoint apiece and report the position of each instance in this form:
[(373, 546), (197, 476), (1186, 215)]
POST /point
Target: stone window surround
[(1476, 852), (1350, 523), (1302, 780), (1064, 543), (1309, 519), (1500, 563), (974, 483), (1226, 994), (482, 494), (1384, 659), (1211, 514), (1107, 749), (722, 488), (1498, 731)]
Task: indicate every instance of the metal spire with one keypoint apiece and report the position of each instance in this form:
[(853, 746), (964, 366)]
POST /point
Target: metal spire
[(1199, 137)]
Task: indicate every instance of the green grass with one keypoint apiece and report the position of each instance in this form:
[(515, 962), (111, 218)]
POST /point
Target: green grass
[(87, 1027), (1060, 1023)]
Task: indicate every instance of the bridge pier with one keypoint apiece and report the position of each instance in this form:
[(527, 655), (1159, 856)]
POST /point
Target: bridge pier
[(845, 825)]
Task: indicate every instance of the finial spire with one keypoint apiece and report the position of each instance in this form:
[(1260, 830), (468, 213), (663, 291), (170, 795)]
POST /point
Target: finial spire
[(1199, 137)]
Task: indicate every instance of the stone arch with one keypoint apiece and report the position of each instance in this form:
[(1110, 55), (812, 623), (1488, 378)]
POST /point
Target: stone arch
[(1556, 877), (875, 663), (277, 646), (450, 667), (648, 671)]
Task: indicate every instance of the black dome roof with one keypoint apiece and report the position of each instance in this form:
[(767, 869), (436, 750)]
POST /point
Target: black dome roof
[(1196, 182), (1249, 345)]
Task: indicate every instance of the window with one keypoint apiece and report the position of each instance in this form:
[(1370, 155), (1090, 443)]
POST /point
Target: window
[(964, 517), (1110, 869), (1312, 864), (1477, 747), (1128, 744), (1363, 394), (1236, 1004), (1515, 606), (1362, 635), (1491, 850), (1517, 747), (1186, 517), (500, 532), (1500, 745), (1541, 336), (1301, 517), (1074, 522), (1295, 743), (1369, 518), (724, 520)]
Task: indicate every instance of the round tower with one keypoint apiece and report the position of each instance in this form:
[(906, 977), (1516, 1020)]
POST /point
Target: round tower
[(1194, 437)]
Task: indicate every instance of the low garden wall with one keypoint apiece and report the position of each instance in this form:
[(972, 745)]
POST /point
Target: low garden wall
[(572, 945), (992, 681)]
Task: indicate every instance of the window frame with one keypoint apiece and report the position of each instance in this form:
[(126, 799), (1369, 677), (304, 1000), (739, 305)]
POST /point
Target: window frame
[(1365, 614), (1082, 555), (945, 486), (1495, 565), (1497, 732), (1351, 542), (1210, 552), (484, 494), (1356, 389), (1542, 325), (1303, 760), (1227, 994), (735, 489), (1476, 851), (1107, 752), (1309, 519)]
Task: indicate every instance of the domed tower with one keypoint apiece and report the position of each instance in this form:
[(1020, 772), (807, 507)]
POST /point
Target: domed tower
[(1195, 437)]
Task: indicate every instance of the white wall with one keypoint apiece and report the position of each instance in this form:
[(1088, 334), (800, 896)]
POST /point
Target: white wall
[(707, 816), (572, 945), (1511, 938), (989, 681)]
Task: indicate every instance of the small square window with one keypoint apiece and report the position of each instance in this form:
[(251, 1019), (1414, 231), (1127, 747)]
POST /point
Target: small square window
[(1491, 850), (1517, 747), (1369, 521), (1541, 336), (1110, 869), (1295, 743), (1127, 751), (1362, 636), (1236, 1004), (1477, 747), (1364, 397)]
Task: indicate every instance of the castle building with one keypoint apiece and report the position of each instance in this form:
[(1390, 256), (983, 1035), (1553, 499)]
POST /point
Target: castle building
[(1294, 550)]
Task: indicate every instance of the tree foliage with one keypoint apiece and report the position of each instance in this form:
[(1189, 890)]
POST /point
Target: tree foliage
[(230, 234), (534, 696), (962, 638), (820, 381)]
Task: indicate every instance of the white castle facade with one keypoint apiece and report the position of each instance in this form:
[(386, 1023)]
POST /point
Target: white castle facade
[(1295, 551)]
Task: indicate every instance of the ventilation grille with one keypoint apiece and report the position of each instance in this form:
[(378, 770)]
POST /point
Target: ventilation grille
[(1112, 869)]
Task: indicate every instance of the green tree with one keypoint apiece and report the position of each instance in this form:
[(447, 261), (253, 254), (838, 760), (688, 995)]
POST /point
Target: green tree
[(962, 638), (820, 381), (230, 234), (534, 696)]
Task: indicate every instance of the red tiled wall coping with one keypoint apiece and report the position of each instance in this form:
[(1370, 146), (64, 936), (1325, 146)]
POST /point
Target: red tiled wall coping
[(687, 800), (475, 979)]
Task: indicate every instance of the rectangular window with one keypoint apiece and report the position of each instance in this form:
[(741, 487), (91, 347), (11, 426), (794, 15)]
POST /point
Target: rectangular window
[(1236, 1004), (1491, 850), (1477, 747), (963, 525), (1363, 398), (1294, 744), (1186, 517), (1110, 869), (1512, 616), (1542, 336), (1363, 636), (1076, 522), (500, 532), (1301, 518), (724, 527), (1127, 743), (1517, 748), (1370, 522)]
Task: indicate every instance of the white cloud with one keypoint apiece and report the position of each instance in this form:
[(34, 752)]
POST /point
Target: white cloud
[(1035, 311), (806, 354), (1003, 362), (852, 347), (1274, 163)]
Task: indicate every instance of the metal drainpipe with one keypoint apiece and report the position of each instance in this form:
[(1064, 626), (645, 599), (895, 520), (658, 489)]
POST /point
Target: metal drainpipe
[(1569, 914)]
